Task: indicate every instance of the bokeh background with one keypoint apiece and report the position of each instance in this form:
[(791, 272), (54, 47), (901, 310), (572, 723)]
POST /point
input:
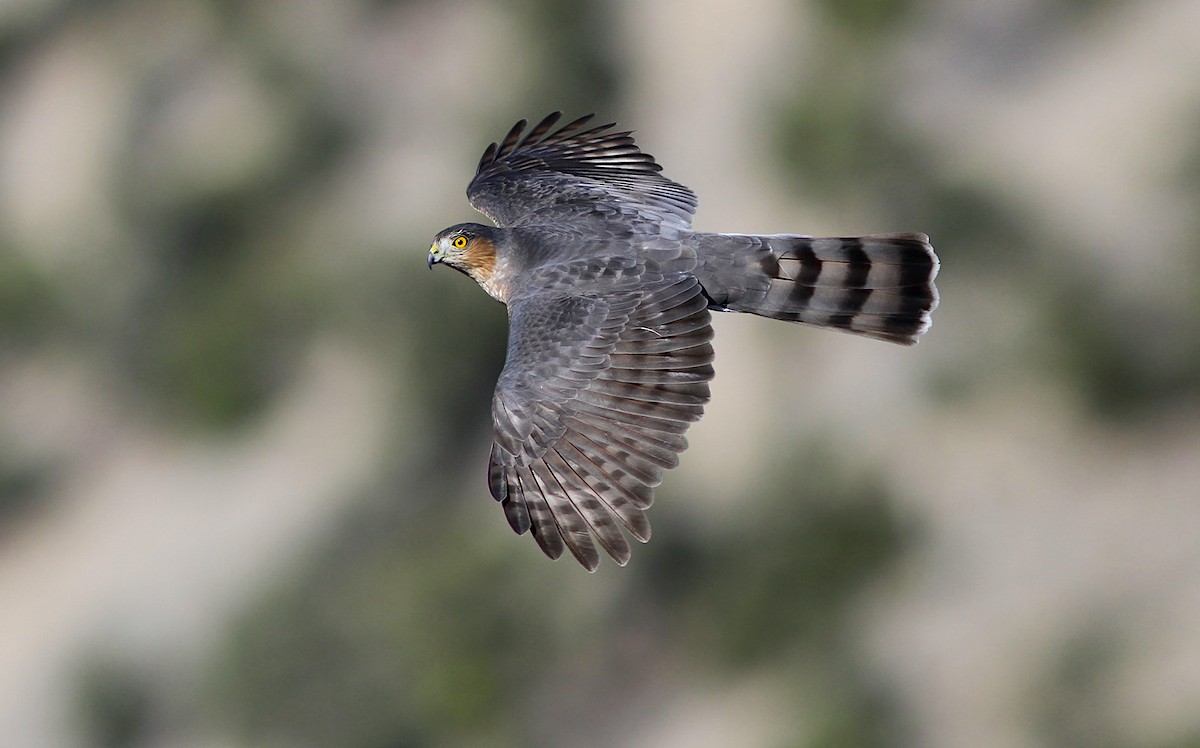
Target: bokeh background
[(243, 430)]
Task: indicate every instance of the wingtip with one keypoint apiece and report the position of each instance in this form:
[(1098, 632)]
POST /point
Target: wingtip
[(517, 515), (573, 127), (497, 480), (515, 131), (511, 139)]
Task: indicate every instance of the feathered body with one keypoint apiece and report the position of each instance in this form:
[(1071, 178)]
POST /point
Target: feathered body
[(609, 292)]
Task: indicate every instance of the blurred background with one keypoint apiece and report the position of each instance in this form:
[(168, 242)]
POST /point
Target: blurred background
[(244, 431)]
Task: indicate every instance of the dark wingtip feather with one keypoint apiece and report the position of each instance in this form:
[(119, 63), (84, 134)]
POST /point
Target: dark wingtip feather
[(549, 541), (572, 128), (589, 561), (489, 155), (497, 483), (509, 144), (539, 130), (517, 515)]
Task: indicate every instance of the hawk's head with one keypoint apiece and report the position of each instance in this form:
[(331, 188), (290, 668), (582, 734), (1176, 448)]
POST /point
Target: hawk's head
[(467, 247), (470, 248)]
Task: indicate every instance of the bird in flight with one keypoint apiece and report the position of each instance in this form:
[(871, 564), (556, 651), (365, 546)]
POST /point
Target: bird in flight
[(609, 292)]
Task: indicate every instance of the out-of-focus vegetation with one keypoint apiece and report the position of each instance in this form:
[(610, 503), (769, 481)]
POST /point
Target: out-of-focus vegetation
[(472, 636), (197, 196)]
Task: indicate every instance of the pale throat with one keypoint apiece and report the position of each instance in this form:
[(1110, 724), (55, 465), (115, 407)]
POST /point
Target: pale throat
[(494, 282)]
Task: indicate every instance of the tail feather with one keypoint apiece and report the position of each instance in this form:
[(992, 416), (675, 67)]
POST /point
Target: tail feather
[(880, 286)]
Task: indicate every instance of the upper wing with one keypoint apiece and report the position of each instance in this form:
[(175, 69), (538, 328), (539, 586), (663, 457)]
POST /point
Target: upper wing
[(573, 171), (593, 402)]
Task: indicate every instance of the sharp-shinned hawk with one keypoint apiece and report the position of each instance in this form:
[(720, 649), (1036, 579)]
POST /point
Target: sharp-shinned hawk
[(608, 293)]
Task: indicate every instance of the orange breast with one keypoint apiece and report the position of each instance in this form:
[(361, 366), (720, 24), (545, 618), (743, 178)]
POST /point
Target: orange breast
[(480, 259)]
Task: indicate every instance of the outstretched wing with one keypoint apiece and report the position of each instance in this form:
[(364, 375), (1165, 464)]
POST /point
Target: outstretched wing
[(571, 172), (593, 402)]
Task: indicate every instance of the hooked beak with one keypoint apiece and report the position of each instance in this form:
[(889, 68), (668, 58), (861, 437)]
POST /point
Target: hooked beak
[(434, 257)]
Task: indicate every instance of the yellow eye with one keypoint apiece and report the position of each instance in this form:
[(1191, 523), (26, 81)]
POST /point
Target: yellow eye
[(460, 242)]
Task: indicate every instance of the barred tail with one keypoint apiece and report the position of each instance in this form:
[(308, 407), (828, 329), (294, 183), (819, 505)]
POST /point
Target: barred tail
[(880, 286)]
